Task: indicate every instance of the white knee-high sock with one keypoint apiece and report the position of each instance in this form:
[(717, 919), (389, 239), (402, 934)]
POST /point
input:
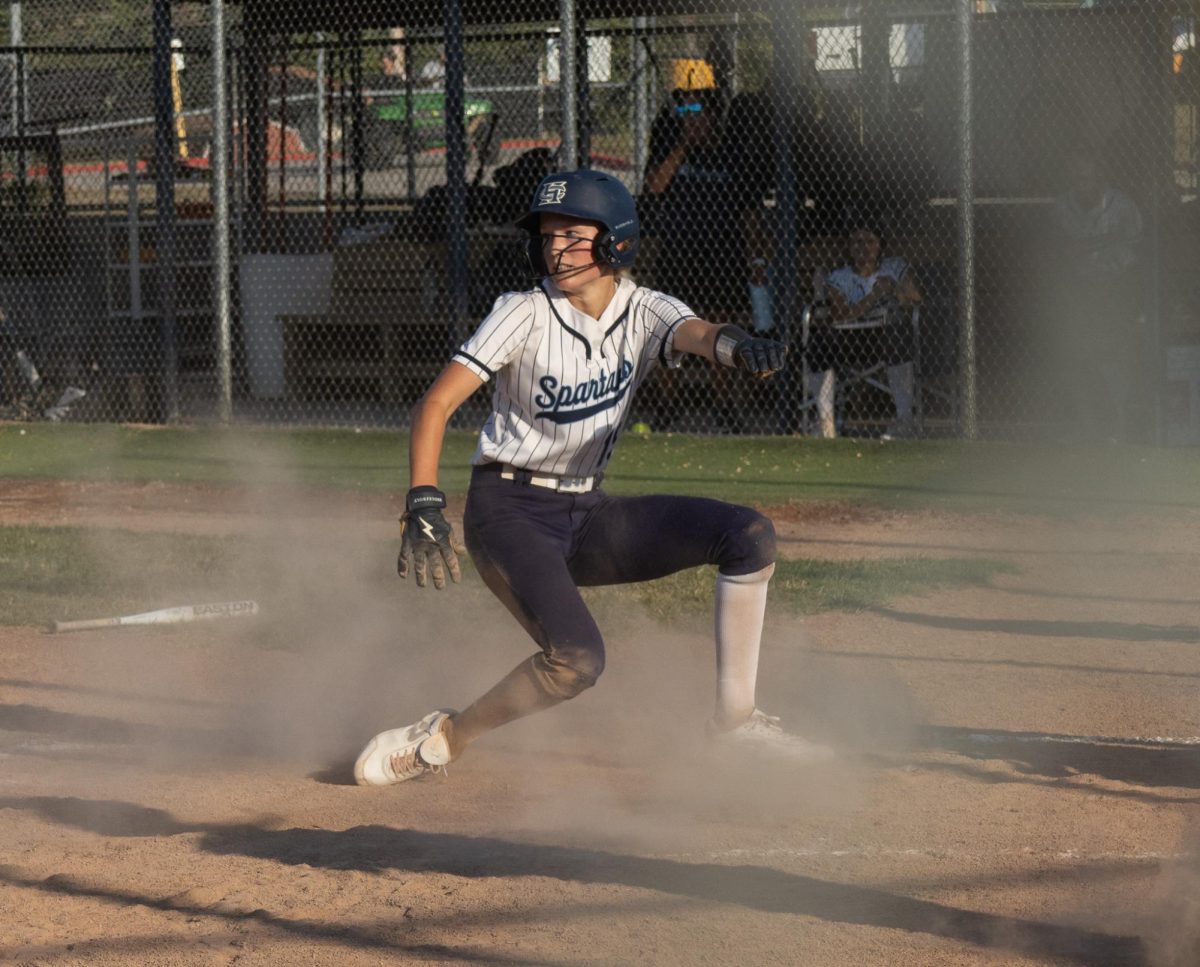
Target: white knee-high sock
[(741, 602)]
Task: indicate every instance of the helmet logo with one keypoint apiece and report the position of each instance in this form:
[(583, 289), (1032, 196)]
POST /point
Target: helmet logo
[(553, 193)]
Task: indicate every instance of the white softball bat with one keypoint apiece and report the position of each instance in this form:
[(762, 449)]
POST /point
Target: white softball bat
[(164, 616)]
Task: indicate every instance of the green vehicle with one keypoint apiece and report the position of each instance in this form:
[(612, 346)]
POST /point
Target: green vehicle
[(387, 126)]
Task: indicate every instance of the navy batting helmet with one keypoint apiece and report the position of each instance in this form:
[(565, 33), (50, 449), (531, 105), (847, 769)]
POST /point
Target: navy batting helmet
[(592, 196)]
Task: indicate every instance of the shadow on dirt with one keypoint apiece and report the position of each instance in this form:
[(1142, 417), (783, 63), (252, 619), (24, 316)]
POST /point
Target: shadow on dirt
[(1140, 762), (884, 656), (1102, 630), (333, 933), (754, 887), (340, 773), (108, 731)]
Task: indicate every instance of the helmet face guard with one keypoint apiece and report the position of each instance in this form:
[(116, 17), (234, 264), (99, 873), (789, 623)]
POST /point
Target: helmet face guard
[(591, 196)]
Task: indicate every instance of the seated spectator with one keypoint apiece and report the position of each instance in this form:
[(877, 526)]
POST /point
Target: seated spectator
[(1097, 228), (860, 331), (433, 71)]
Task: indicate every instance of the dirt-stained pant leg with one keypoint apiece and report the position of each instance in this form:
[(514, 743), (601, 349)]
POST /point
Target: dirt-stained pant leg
[(518, 537), (535, 547), (626, 539), (639, 538)]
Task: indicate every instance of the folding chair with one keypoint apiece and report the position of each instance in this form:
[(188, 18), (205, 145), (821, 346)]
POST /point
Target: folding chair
[(852, 375)]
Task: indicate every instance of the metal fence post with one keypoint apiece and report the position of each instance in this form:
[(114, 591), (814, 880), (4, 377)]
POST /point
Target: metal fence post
[(252, 135), (641, 102), (358, 115), (322, 144), (967, 362), (219, 162), (16, 39), (164, 206), (456, 166), (567, 55), (784, 291), (1156, 304), (876, 71), (19, 123), (410, 134), (583, 95)]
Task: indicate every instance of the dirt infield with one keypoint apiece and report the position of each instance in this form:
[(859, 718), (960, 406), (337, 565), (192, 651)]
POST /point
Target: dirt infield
[(1018, 777)]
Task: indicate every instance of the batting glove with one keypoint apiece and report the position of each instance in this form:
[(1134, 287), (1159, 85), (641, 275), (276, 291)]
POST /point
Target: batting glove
[(425, 539), (737, 349)]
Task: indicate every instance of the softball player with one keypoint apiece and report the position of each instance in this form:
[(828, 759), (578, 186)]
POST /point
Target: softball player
[(566, 359)]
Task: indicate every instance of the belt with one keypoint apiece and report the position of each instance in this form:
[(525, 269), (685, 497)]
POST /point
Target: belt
[(551, 481)]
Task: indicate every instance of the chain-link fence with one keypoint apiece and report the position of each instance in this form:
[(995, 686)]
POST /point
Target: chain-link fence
[(963, 218)]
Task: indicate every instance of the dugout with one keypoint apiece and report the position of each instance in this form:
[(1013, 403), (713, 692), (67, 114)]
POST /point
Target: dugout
[(265, 22), (1036, 76)]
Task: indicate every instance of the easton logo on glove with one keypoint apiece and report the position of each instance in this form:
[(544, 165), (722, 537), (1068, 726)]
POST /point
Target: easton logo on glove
[(425, 539)]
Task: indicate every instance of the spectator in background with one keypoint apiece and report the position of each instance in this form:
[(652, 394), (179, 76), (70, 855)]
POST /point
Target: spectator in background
[(506, 267), (393, 62), (698, 191), (689, 181), (433, 72), (860, 329), (1097, 230)]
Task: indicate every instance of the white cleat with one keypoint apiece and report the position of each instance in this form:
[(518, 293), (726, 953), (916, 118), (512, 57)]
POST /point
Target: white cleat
[(399, 754), (761, 734)]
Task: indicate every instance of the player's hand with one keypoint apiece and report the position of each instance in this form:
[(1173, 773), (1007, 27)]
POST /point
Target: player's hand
[(426, 539), (736, 348), (760, 356)]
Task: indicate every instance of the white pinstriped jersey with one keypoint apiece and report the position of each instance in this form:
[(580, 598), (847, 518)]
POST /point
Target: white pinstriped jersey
[(564, 381)]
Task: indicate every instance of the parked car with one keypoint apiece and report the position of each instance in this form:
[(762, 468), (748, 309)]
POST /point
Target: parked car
[(385, 119), (387, 126)]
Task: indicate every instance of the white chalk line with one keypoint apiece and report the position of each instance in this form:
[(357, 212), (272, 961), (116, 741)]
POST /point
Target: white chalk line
[(878, 852), (48, 747), (998, 737)]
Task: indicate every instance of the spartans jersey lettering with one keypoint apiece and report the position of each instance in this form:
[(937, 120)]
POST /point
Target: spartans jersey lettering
[(565, 404), (564, 381)]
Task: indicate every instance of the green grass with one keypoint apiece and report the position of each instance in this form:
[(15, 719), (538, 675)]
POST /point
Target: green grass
[(49, 573), (338, 459), (808, 587), (764, 471)]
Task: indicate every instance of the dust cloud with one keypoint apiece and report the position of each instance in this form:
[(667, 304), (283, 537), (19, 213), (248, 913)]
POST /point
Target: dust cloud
[(662, 787), (1172, 934), (967, 829), (343, 649)]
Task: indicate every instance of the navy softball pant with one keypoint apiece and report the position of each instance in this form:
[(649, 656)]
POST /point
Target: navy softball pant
[(536, 547)]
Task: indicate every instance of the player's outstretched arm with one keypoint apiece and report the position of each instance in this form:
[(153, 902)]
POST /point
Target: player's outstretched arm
[(731, 346), (449, 391), (426, 539)]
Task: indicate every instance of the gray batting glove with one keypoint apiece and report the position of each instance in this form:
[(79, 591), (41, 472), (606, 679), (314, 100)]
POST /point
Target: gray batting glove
[(762, 357), (425, 539), (758, 355)]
